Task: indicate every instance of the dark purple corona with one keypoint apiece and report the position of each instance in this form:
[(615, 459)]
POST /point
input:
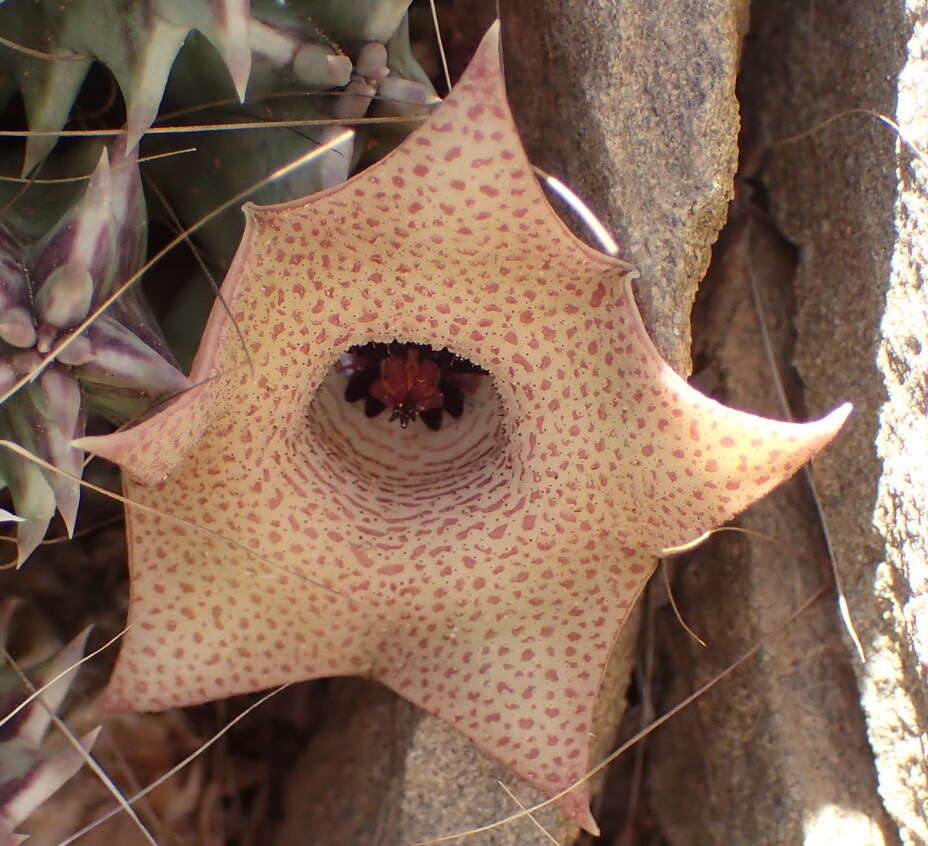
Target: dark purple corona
[(412, 380)]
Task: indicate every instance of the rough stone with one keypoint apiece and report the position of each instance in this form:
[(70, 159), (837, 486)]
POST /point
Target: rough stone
[(853, 198), (782, 745), (633, 105), (777, 753)]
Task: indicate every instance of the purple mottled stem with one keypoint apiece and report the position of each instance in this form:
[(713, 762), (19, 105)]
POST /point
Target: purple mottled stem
[(16, 324), (120, 359)]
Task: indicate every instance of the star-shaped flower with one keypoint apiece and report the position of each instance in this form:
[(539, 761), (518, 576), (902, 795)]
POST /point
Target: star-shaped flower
[(483, 570)]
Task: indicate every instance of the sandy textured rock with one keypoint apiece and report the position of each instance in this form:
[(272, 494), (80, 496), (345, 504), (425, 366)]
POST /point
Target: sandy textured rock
[(852, 200), (634, 107), (855, 203), (777, 753)]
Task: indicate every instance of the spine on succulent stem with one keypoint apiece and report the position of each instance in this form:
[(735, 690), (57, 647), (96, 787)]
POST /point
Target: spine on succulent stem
[(119, 365), (29, 771)]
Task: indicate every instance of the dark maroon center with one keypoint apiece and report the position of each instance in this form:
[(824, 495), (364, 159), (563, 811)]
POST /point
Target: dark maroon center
[(411, 380)]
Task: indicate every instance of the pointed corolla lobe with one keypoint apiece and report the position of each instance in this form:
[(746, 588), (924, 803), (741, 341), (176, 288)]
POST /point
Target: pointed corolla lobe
[(481, 571)]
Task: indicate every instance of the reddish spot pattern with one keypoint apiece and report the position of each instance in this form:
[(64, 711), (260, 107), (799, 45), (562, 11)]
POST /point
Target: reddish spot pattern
[(483, 574)]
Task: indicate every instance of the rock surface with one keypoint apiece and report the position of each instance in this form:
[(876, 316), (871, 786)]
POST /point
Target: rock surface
[(854, 200), (633, 105), (783, 746), (778, 752)]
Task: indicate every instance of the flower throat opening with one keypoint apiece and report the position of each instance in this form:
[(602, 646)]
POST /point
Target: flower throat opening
[(402, 423)]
